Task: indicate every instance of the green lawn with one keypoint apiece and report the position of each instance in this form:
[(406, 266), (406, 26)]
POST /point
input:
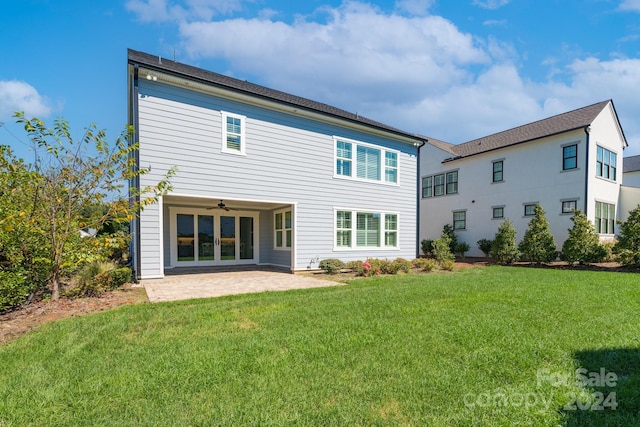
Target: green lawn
[(476, 347)]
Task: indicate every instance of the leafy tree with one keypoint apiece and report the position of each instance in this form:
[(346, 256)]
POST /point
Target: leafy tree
[(583, 244), (442, 249), (66, 180), (628, 245), (503, 248), (448, 231), (538, 244)]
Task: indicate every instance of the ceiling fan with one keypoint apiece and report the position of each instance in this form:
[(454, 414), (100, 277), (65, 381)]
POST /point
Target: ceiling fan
[(221, 205)]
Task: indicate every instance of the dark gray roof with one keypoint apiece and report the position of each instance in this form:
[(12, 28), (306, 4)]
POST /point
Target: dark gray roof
[(631, 164), (565, 122), (187, 71)]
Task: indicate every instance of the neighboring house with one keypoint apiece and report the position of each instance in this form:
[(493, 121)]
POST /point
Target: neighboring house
[(264, 177), (565, 162), (630, 190)]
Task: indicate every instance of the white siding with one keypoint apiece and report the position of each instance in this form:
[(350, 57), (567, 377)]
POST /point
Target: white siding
[(288, 158)]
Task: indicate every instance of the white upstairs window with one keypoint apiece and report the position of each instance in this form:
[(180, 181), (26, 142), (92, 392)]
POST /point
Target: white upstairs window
[(233, 133)]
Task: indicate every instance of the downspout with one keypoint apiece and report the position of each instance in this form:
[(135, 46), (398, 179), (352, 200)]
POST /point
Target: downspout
[(587, 129), (135, 181), (418, 199)]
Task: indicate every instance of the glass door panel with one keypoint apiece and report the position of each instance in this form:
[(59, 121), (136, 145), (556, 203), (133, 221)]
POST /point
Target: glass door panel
[(205, 238), (246, 237), (185, 237), (227, 238)]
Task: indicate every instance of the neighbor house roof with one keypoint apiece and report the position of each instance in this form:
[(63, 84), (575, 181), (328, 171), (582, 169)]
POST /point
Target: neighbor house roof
[(631, 164), (565, 122), (219, 80)]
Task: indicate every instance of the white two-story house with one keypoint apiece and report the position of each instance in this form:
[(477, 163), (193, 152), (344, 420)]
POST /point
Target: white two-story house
[(565, 162), (263, 177)]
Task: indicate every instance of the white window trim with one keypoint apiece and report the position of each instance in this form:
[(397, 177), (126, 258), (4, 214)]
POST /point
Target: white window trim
[(284, 246), (354, 216), (243, 135), (354, 162)]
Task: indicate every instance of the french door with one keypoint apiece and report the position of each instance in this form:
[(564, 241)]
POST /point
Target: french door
[(200, 238)]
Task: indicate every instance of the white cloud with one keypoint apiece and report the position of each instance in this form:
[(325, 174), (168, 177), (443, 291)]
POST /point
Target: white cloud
[(20, 96), (630, 5), (415, 7), (490, 4), (175, 10), (359, 54)]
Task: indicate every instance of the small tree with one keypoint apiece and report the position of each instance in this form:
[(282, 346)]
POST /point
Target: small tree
[(448, 231), (628, 245), (503, 248), (583, 244), (427, 246), (442, 249), (70, 176), (538, 244)]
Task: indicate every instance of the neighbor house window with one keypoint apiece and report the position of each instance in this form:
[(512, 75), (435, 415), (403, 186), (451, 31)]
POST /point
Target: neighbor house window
[(606, 164), (440, 184), (498, 212), (498, 171), (568, 206), (460, 220), (452, 182), (530, 209), (282, 228), (365, 162), (427, 186), (356, 229), (570, 157), (605, 217), (233, 133)]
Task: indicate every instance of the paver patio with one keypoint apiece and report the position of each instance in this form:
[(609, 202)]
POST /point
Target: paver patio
[(215, 284)]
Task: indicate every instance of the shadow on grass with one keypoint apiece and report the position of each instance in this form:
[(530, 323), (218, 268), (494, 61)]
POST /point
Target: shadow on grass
[(625, 364)]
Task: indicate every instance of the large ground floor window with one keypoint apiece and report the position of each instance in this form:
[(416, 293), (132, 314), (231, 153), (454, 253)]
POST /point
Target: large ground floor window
[(605, 217), (359, 229)]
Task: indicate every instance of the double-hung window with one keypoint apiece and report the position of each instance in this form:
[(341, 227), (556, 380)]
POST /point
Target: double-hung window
[(440, 184), (365, 162), (498, 167), (233, 133), (569, 157), (605, 217), (606, 163), (460, 220), (282, 230), (358, 229)]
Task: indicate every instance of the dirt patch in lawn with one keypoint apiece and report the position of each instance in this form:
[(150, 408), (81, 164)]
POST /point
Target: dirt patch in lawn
[(19, 322)]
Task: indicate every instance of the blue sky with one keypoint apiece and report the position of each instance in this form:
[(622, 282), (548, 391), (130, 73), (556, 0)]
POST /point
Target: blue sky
[(451, 70)]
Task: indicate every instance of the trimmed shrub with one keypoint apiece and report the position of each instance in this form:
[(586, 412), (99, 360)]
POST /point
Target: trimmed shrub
[(425, 264), (331, 265), (461, 249), (427, 247), (14, 290), (120, 277), (628, 245), (485, 246), (538, 245), (401, 265), (503, 248), (95, 278), (583, 244), (448, 265), (356, 266)]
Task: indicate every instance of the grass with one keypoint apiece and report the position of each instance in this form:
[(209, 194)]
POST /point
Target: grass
[(463, 348)]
